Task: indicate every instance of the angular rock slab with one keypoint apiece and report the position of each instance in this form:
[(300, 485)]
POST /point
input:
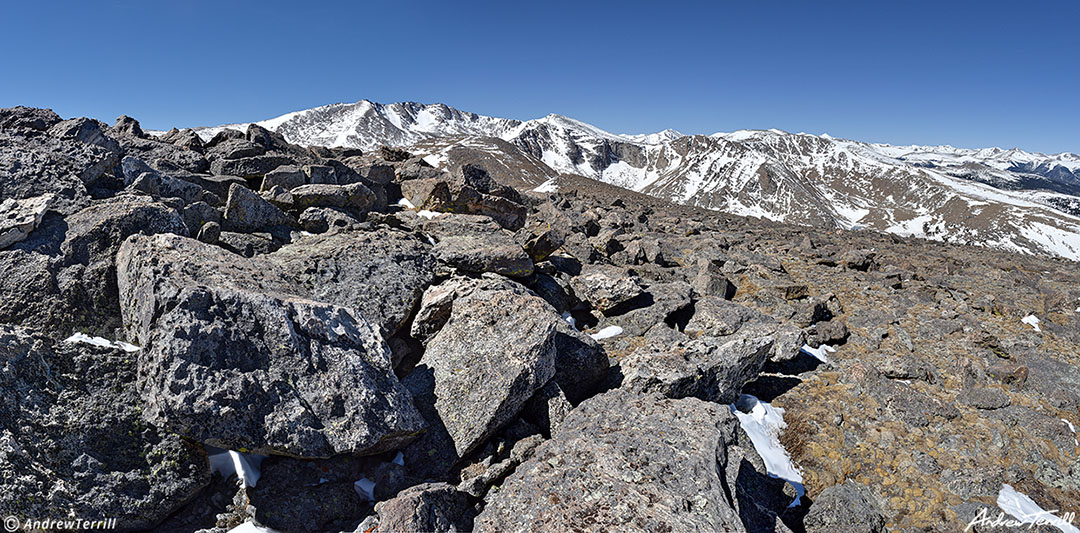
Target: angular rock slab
[(19, 217), (381, 274), (261, 371), (62, 277), (426, 507), (495, 351), (622, 461), (73, 442), (729, 346)]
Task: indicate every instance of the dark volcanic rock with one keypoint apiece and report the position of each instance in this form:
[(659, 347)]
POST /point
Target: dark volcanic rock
[(381, 274), (495, 351), (38, 165), (19, 217), (258, 371), (321, 219), (320, 494), (622, 461), (72, 438), (62, 277)]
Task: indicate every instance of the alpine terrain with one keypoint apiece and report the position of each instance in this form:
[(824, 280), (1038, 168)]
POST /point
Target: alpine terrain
[(1008, 199), (405, 318)]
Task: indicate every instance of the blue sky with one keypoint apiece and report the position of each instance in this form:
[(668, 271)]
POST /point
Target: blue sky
[(970, 74)]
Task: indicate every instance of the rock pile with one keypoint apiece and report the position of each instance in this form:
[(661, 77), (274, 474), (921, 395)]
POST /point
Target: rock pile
[(398, 348)]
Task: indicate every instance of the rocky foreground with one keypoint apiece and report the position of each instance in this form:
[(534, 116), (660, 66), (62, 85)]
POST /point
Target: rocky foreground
[(197, 335)]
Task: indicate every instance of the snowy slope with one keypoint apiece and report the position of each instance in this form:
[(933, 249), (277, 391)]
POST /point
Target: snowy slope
[(1011, 199)]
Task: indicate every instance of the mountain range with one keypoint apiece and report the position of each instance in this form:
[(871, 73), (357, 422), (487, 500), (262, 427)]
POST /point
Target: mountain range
[(1008, 199)]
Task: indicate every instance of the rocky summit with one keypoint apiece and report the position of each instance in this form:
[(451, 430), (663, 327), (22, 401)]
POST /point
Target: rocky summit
[(222, 330)]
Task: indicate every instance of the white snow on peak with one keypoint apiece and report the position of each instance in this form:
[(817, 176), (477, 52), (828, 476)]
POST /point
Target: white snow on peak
[(763, 424), (550, 185), (1024, 509), (101, 341)]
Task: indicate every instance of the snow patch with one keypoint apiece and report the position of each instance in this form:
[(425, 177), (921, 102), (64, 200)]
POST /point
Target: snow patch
[(1032, 321), (1024, 509), (550, 185), (244, 465), (569, 319), (607, 333), (404, 202), (763, 423), (250, 527), (101, 341), (428, 214), (1073, 429), (365, 488), (821, 352)]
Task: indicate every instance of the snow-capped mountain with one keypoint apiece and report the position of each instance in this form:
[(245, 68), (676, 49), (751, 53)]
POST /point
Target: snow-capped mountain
[(1010, 199)]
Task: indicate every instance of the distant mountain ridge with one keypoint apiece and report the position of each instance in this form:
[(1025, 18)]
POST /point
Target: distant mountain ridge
[(1011, 199)]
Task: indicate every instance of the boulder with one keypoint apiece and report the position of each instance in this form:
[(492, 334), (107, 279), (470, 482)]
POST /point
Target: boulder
[(623, 461), (249, 167), (381, 274), (231, 361), (209, 233), (470, 191), (126, 125), (847, 508), (87, 131), (318, 174), (322, 219), (729, 347), (247, 244), (73, 442), (32, 166), (30, 118), (19, 217), (607, 289), (62, 277), (160, 186), (320, 494), (493, 252), (235, 149), (711, 281), (355, 196), (247, 212), (495, 351), (426, 507), (288, 177)]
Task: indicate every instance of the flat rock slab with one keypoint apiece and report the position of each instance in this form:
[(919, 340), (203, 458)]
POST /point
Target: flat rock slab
[(623, 461)]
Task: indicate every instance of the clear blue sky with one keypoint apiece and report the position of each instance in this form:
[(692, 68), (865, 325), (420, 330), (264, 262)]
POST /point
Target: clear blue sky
[(971, 74)]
